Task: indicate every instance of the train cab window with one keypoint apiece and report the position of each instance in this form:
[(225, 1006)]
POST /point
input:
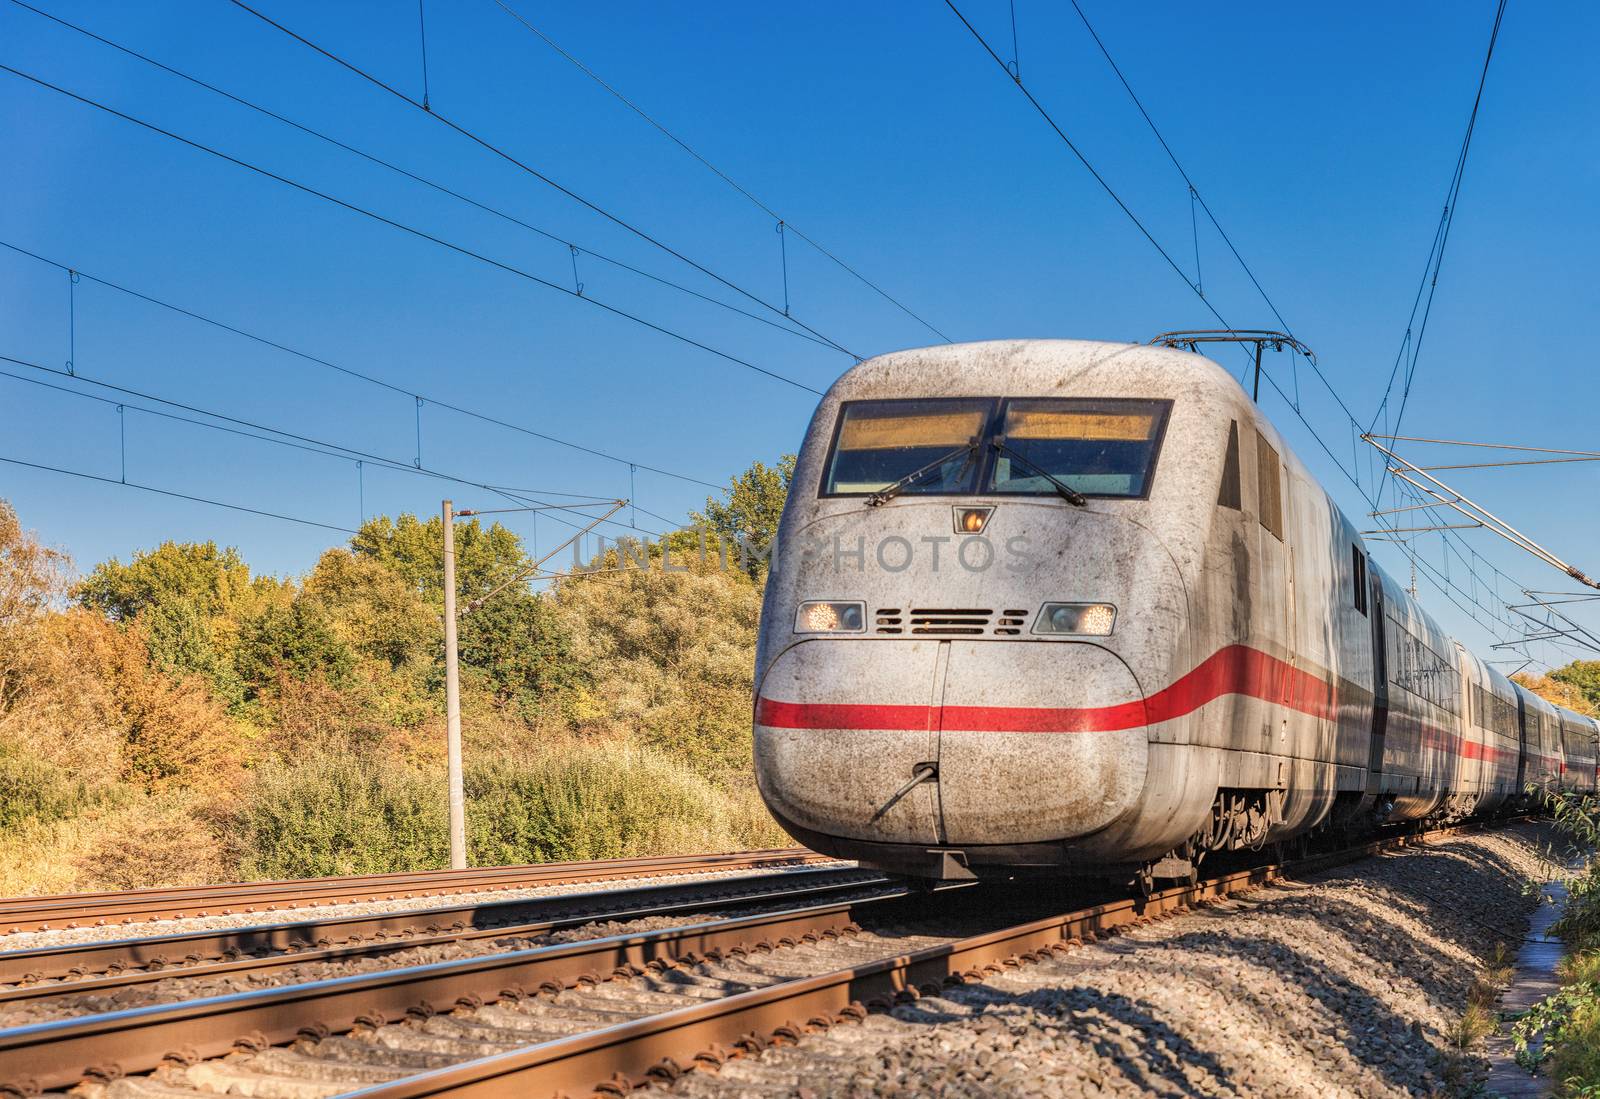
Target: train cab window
[(1359, 573), (1228, 496), (881, 442), (1097, 447)]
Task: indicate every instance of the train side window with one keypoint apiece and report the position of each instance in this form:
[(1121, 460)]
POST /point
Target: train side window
[(1269, 487), (1359, 573), (1228, 496)]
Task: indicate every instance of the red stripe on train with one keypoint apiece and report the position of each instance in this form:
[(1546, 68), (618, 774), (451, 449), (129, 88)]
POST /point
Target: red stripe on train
[(1237, 669)]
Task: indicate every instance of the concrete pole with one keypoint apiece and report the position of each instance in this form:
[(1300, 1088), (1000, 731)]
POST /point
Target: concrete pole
[(452, 700)]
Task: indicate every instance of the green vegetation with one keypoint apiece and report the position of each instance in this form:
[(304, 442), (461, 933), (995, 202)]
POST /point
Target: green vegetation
[(177, 718), (1565, 1026)]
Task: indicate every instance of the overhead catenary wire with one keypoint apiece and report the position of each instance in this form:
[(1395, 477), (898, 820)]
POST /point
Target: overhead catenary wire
[(371, 158), (1084, 160), (1197, 197), (1411, 344), (371, 379), (43, 467), (516, 162), (280, 437), (788, 225), (412, 230)]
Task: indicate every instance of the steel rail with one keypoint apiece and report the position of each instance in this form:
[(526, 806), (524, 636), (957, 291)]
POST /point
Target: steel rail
[(617, 1059), (210, 951), (105, 1046), (82, 909)]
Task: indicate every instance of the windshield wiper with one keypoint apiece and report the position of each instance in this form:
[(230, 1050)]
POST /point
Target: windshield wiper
[(889, 492), (1066, 492)]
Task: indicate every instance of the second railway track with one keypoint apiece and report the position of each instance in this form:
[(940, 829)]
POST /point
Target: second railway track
[(75, 910), (76, 967)]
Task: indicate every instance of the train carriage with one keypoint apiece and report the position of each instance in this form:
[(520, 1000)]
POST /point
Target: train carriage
[(1541, 725), (1495, 731), (1068, 606), (1577, 751)]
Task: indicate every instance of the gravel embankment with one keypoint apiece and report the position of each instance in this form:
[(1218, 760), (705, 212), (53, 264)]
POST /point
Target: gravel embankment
[(1347, 985), (28, 940)]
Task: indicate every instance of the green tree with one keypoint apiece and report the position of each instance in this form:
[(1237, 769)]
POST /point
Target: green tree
[(1584, 677), (190, 601), (518, 648), (295, 640), (197, 574), (670, 658), (374, 610), (513, 647), (414, 550), (749, 512)]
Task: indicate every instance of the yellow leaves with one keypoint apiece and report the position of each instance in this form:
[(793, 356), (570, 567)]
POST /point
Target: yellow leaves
[(89, 700)]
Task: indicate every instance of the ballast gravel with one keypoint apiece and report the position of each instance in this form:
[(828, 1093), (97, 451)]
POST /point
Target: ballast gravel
[(1349, 984)]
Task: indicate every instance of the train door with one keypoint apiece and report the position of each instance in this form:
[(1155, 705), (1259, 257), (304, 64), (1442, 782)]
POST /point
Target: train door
[(1473, 767), (1274, 594), (1380, 687)]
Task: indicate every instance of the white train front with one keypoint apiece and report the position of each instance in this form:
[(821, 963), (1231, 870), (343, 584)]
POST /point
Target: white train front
[(1073, 606)]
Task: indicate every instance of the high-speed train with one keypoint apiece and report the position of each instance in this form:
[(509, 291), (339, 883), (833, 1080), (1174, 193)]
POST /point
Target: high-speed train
[(1074, 607)]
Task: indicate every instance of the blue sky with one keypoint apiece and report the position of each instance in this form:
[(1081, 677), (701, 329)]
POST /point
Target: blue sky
[(1323, 139)]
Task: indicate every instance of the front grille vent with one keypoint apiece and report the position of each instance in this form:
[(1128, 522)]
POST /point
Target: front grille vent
[(1010, 623), (948, 621)]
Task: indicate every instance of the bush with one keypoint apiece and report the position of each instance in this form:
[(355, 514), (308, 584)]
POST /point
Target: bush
[(33, 789), (605, 800), (330, 813)]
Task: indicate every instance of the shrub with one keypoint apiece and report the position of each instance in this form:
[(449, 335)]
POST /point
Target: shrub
[(33, 789), (332, 813), (605, 800)]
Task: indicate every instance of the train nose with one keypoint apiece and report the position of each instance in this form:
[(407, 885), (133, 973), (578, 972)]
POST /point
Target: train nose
[(950, 742)]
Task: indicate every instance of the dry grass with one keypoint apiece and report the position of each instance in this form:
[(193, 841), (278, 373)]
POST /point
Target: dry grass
[(152, 843), (1479, 1019), (144, 842), (42, 857)]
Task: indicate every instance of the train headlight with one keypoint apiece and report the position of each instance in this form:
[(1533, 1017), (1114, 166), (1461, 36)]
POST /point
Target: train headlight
[(1081, 619), (822, 617), (972, 520)]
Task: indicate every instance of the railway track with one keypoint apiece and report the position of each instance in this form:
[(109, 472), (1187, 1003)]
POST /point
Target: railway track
[(73, 910), (610, 1013)]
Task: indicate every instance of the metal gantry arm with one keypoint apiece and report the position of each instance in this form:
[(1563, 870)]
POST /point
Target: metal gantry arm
[(532, 571), (1420, 479)]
